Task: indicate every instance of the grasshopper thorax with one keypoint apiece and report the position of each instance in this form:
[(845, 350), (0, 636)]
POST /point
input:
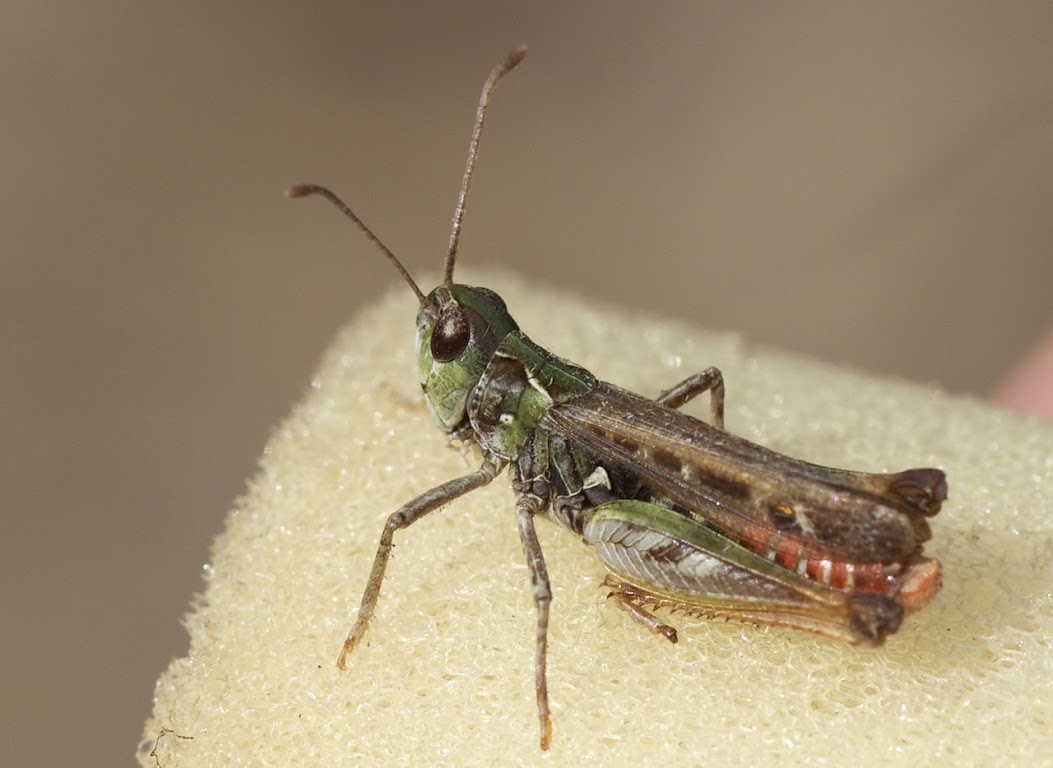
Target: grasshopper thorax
[(458, 329)]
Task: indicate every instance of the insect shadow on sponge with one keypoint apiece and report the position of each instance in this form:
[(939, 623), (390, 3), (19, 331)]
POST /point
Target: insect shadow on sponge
[(683, 514)]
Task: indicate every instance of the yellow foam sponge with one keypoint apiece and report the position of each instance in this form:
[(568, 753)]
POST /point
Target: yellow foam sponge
[(445, 674)]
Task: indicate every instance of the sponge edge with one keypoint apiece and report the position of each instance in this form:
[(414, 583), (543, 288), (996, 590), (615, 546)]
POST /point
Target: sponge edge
[(445, 674)]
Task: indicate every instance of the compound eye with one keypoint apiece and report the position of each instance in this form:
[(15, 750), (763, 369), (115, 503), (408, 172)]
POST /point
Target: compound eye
[(451, 335)]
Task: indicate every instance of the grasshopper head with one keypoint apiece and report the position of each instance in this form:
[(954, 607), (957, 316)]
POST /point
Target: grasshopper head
[(458, 330), (458, 327)]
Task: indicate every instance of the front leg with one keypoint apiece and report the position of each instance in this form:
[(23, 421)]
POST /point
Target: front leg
[(526, 507), (710, 380), (403, 518)]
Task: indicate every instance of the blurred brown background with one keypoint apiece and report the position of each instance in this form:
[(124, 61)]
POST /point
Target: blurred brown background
[(870, 184)]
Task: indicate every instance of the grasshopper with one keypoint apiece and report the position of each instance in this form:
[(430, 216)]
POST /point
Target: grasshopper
[(682, 513)]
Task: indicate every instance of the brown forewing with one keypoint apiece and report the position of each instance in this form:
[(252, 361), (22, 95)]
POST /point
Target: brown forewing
[(749, 492)]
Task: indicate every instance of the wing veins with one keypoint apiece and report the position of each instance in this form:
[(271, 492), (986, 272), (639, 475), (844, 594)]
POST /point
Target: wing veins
[(735, 481)]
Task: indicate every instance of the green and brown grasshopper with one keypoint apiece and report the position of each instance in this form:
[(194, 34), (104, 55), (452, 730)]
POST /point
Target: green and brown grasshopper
[(682, 513)]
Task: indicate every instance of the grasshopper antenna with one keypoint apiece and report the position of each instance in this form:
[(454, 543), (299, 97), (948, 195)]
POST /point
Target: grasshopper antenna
[(304, 190), (507, 65)]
